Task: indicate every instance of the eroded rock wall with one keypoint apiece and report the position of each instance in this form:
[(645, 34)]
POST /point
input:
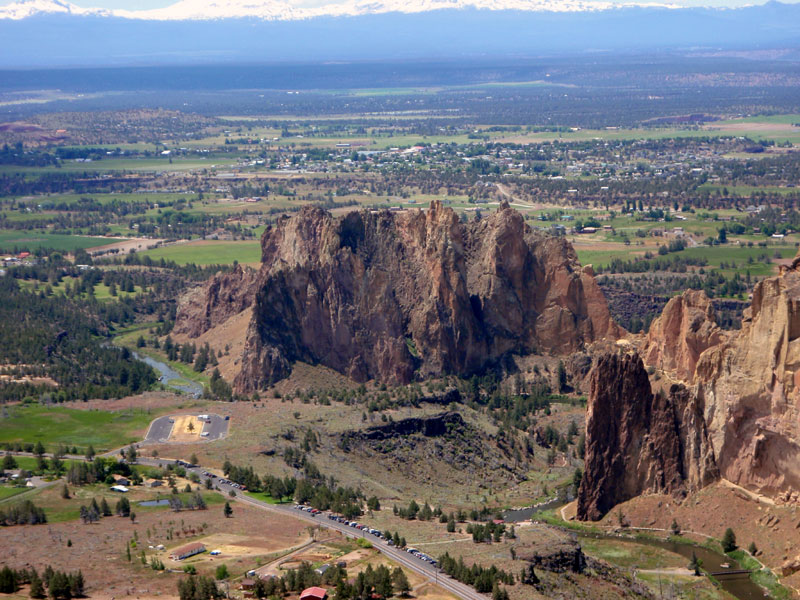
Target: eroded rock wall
[(638, 441), (395, 295)]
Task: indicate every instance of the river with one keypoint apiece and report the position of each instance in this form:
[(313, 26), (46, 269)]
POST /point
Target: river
[(167, 375), (740, 586)]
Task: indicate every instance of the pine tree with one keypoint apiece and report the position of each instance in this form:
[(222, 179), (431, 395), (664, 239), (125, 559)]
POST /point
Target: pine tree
[(675, 528), (729, 540), (695, 564), (400, 582), (37, 588), (227, 511)]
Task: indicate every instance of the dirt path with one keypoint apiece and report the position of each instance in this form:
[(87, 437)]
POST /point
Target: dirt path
[(752, 495)]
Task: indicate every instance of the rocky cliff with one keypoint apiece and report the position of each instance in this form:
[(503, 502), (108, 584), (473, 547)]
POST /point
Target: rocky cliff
[(750, 385), (738, 414), (638, 441), (677, 338), (392, 295), (213, 303)]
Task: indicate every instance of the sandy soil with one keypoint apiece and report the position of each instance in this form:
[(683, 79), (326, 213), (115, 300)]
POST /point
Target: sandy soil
[(125, 245), (186, 428), (234, 546)]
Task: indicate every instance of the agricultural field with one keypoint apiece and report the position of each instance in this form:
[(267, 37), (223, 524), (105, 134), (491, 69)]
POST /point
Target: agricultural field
[(54, 425), (31, 241), (209, 253)]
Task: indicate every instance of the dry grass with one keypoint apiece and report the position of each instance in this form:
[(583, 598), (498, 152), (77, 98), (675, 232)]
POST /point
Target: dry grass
[(99, 549), (186, 428)]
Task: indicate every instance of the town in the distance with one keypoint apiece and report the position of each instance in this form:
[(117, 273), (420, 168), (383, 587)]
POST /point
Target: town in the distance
[(445, 324)]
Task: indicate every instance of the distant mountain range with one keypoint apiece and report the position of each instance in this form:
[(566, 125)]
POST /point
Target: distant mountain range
[(277, 10), (54, 33)]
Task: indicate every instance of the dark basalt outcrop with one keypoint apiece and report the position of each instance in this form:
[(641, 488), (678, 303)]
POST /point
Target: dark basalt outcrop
[(564, 555), (394, 295), (435, 426), (638, 441)]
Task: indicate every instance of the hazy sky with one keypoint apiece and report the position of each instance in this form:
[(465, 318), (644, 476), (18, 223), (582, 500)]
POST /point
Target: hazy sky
[(145, 4)]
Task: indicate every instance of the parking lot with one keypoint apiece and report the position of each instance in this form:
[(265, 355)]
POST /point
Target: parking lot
[(215, 427)]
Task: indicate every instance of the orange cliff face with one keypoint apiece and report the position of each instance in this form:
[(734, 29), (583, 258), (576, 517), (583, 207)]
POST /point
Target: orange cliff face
[(393, 296), (747, 380), (737, 401)]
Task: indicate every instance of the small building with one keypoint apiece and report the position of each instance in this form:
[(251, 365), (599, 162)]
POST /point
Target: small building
[(247, 584), (119, 488), (314, 593), (152, 483), (121, 480), (322, 569), (187, 551)]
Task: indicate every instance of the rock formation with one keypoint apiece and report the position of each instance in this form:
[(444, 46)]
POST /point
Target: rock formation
[(677, 338), (221, 297), (738, 416), (394, 295), (750, 385), (558, 556), (638, 441)]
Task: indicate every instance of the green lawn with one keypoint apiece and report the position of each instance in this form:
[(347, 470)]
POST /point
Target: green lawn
[(209, 253), (8, 492), (59, 510), (729, 253), (108, 198), (125, 164), (29, 241), (266, 498), (68, 426)]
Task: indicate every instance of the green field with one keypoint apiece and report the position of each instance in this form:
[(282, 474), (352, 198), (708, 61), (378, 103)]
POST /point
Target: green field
[(108, 198), (125, 164), (209, 253), (263, 497), (9, 492), (28, 241), (69, 426)]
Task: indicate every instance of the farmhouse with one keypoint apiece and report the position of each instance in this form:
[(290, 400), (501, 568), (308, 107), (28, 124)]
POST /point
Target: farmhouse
[(121, 480), (187, 551), (314, 593), (247, 584)]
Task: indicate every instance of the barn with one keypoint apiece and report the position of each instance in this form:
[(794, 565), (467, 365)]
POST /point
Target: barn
[(187, 551), (314, 593)]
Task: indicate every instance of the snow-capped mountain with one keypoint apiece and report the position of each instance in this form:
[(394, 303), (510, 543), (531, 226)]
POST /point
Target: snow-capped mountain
[(271, 10), (280, 10), (54, 33), (29, 8)]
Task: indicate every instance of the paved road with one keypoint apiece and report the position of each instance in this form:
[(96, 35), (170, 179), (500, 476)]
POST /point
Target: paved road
[(400, 556), (216, 428)]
